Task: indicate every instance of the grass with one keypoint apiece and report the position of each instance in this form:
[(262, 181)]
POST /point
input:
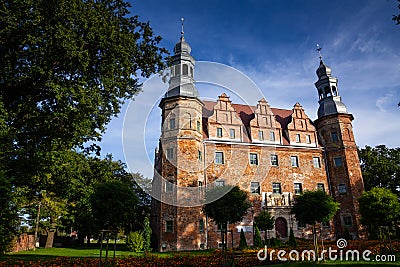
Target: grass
[(91, 252)]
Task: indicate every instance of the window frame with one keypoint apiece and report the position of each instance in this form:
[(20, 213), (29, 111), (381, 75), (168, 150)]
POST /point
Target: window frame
[(337, 161), (169, 226), (216, 158), (308, 139), (274, 159), (253, 161), (255, 188), (276, 188), (319, 186), (232, 133), (260, 135), (298, 139), (271, 136), (296, 161), (318, 161), (342, 188), (172, 123), (219, 132), (299, 190)]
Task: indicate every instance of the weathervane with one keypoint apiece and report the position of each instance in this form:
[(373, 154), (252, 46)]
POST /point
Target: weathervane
[(319, 48), (182, 32)]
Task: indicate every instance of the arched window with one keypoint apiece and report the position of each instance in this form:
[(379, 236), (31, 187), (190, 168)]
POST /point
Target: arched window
[(191, 72), (185, 69)]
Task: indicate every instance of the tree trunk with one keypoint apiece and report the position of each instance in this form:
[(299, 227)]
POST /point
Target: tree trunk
[(50, 238), (50, 234)]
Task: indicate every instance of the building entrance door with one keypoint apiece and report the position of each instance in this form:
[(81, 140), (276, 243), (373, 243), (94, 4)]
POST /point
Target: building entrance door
[(281, 227)]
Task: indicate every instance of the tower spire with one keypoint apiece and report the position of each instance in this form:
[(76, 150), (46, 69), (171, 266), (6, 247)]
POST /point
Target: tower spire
[(182, 32), (319, 48)]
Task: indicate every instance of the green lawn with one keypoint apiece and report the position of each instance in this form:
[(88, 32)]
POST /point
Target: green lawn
[(83, 252)]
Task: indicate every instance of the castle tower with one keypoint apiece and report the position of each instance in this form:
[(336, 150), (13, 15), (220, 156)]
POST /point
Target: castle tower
[(179, 160), (342, 163)]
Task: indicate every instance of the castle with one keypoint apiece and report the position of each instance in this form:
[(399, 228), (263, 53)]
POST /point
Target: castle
[(274, 154)]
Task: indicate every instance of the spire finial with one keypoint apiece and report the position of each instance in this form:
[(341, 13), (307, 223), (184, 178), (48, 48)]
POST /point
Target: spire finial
[(182, 32), (319, 48)]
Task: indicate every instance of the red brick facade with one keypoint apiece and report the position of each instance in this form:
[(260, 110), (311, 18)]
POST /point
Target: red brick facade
[(272, 153)]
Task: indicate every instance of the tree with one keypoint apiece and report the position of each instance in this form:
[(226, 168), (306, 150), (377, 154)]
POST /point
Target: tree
[(113, 205), (396, 18), (380, 167), (313, 207), (221, 210), (379, 208), (242, 240), (257, 238), (265, 222), (67, 67), (146, 235)]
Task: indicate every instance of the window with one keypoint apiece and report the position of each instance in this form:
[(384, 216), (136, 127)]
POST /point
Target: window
[(316, 162), (198, 126), (334, 137), (201, 225), (170, 153), (172, 123), (199, 155), (308, 139), (185, 69), (169, 226), (295, 161), (219, 157), (232, 133), (297, 138), (260, 135), (347, 221), (200, 183), (321, 186), (342, 189), (338, 161), (169, 187), (276, 188), (298, 188), (219, 132), (255, 188), (271, 136), (274, 160), (253, 159), (219, 183)]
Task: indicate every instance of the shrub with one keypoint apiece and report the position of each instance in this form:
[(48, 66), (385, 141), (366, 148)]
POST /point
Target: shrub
[(257, 238), (146, 235), (292, 239), (242, 241), (134, 241)]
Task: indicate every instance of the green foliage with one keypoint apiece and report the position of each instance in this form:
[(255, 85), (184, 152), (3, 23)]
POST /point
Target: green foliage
[(314, 206), (257, 238), (242, 241), (146, 235), (219, 204), (292, 240), (8, 216), (113, 205), (379, 207), (265, 222), (396, 18), (380, 167), (135, 241)]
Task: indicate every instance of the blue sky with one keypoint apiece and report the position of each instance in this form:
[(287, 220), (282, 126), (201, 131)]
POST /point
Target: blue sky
[(273, 42)]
